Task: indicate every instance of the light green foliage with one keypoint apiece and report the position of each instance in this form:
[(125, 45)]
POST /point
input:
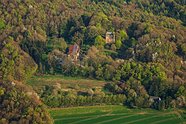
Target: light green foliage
[(2, 91), (148, 29), (15, 64), (8, 60), (99, 41), (123, 35), (181, 91), (92, 32), (57, 43), (118, 44), (2, 24), (100, 19)]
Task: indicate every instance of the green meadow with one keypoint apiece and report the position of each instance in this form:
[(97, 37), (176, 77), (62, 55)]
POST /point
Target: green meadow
[(65, 82), (116, 115)]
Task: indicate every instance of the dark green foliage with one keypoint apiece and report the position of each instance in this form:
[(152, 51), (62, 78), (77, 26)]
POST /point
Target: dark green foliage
[(173, 8)]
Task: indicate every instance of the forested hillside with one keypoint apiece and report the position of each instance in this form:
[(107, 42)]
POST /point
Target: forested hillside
[(148, 57), (19, 106)]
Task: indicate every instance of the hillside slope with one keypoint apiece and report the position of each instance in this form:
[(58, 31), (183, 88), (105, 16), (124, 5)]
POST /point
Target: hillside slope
[(19, 105), (148, 57)]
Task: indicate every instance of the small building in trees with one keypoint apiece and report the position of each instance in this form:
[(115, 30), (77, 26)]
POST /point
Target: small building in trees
[(155, 99), (110, 37), (73, 52)]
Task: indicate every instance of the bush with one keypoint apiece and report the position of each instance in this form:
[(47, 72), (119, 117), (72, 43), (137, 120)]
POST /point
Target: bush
[(2, 24)]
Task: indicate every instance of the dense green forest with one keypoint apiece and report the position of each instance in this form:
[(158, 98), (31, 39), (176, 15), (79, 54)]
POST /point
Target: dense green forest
[(148, 57)]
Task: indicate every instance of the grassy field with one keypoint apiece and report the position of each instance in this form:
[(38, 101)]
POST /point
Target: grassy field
[(65, 82), (115, 115), (101, 114)]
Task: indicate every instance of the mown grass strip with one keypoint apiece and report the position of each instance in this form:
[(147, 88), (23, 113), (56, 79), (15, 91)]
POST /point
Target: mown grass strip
[(114, 115), (163, 121), (102, 118), (116, 119)]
